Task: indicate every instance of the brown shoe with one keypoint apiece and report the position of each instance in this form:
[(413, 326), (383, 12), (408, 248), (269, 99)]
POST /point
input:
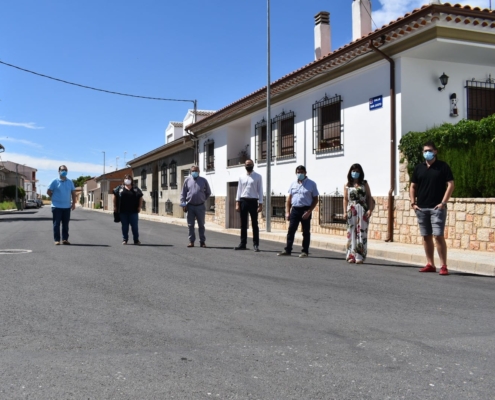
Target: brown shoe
[(191, 244), (65, 242), (202, 245)]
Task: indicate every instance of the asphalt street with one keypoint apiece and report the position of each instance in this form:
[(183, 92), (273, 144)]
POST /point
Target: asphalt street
[(99, 320)]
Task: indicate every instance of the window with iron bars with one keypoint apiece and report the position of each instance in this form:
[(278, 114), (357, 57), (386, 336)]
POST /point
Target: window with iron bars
[(327, 126), (173, 174), (210, 205), (209, 152), (283, 128), (164, 176), (260, 136), (277, 207), (332, 209), (480, 99), (143, 179)]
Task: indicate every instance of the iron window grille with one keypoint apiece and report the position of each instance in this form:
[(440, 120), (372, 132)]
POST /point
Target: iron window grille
[(209, 152), (332, 209), (283, 128), (169, 207), (260, 136), (164, 176), (278, 207), (210, 205), (173, 174), (327, 125), (143, 179), (480, 99)]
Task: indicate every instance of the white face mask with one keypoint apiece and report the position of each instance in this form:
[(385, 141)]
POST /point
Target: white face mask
[(127, 181)]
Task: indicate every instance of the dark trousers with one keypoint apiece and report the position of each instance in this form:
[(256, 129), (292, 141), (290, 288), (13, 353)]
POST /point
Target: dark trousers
[(126, 219), (60, 215), (249, 207), (295, 217)]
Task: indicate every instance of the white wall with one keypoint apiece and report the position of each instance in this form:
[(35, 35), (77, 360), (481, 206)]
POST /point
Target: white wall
[(424, 106)]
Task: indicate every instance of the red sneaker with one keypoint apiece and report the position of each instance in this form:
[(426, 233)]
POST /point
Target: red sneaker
[(429, 268), (443, 270)]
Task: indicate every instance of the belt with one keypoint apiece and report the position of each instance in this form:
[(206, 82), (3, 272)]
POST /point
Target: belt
[(191, 204)]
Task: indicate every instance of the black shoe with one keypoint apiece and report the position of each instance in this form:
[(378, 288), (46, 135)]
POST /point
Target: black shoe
[(240, 247), (256, 248)]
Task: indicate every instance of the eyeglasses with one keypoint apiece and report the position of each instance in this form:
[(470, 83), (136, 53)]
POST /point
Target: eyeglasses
[(63, 170), (427, 150)]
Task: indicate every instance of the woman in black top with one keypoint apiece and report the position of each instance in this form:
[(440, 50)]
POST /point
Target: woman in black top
[(127, 201)]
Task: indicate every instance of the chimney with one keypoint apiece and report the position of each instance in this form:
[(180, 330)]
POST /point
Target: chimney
[(361, 18), (322, 34)]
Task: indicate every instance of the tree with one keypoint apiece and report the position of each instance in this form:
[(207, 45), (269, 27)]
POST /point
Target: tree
[(9, 192), (79, 182)]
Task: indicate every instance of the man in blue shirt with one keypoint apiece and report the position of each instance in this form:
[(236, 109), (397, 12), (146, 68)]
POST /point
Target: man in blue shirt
[(62, 191), (302, 199)]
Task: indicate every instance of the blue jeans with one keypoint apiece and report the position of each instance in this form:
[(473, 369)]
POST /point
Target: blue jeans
[(126, 219), (60, 215)]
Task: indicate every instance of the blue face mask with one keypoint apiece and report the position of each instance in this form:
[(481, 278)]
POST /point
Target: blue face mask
[(194, 174), (300, 177), (63, 174), (428, 155), (355, 175)]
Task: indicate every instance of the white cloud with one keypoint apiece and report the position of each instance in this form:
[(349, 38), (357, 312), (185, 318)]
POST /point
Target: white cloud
[(21, 141), (29, 125), (45, 164), (390, 10)]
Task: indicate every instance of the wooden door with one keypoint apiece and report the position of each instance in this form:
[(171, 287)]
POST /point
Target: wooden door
[(234, 216)]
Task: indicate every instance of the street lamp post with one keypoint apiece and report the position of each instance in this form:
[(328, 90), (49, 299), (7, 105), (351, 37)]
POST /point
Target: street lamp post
[(268, 130), (16, 186), (116, 163), (103, 162)]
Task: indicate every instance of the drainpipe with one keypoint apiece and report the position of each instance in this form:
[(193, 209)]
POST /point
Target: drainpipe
[(393, 135)]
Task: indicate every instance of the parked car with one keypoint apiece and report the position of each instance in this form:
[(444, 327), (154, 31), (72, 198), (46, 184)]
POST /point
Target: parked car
[(31, 204)]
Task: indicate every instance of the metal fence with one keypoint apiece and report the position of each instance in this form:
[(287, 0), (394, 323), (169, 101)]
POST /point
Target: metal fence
[(277, 209), (332, 209)]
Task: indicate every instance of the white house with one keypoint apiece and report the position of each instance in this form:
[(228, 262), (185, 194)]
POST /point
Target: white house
[(352, 105)]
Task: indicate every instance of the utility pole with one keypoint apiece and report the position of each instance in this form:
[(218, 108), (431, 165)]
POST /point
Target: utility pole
[(125, 152), (103, 162), (268, 132), (16, 186), (116, 163)]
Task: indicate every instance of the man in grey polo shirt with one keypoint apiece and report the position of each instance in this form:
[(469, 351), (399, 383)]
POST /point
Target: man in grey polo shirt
[(302, 199), (194, 194)]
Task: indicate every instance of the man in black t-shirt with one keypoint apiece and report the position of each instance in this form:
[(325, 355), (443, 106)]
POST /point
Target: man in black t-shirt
[(431, 186)]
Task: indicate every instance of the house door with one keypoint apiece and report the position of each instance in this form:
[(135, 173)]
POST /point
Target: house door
[(234, 216)]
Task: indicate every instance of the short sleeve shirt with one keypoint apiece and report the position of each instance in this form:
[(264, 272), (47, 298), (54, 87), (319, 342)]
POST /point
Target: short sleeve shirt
[(128, 200), (303, 193), (431, 183), (61, 193)]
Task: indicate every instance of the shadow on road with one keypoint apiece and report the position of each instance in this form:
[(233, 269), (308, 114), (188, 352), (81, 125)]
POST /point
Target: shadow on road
[(155, 245), (89, 245)]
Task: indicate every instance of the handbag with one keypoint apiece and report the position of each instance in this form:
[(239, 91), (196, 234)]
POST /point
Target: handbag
[(116, 216)]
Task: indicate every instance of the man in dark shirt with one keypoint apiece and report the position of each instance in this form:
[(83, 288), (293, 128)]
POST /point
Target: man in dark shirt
[(431, 186)]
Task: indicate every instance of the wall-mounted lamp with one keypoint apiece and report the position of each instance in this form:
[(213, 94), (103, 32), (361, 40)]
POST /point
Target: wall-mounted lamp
[(453, 105), (444, 79)]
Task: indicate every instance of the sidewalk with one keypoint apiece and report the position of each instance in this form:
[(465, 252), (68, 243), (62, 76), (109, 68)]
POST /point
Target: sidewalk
[(472, 262)]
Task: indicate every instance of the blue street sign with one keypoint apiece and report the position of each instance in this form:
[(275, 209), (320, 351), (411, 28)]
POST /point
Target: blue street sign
[(376, 102)]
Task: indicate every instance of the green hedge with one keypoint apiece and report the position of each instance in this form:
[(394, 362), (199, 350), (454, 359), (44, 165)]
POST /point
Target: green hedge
[(468, 147)]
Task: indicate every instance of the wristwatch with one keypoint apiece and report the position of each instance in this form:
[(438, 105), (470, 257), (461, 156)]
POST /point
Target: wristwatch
[(444, 204)]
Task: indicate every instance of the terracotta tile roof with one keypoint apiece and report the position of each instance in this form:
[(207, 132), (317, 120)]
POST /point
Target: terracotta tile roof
[(176, 124), (205, 113), (394, 31)]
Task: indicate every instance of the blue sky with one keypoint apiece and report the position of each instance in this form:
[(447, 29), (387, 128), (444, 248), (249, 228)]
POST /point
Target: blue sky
[(213, 51)]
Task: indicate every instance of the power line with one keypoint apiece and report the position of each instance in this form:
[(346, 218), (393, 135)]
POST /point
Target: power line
[(92, 88)]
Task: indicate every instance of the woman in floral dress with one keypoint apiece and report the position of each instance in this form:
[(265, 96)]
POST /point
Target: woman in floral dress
[(359, 205)]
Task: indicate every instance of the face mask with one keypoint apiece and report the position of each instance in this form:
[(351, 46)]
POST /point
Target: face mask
[(63, 174), (194, 174), (355, 175), (300, 177), (249, 168), (127, 181), (428, 155)]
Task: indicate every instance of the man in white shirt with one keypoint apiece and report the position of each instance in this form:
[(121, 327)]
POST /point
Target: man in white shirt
[(249, 201)]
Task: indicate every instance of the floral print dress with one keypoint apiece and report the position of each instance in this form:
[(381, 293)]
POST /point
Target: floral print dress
[(357, 223)]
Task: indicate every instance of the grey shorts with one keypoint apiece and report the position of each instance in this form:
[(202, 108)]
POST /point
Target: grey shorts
[(431, 221)]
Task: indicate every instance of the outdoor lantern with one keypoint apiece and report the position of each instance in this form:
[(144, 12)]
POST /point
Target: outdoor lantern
[(444, 79)]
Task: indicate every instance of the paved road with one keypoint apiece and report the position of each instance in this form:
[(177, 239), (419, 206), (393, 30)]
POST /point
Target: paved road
[(98, 320)]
